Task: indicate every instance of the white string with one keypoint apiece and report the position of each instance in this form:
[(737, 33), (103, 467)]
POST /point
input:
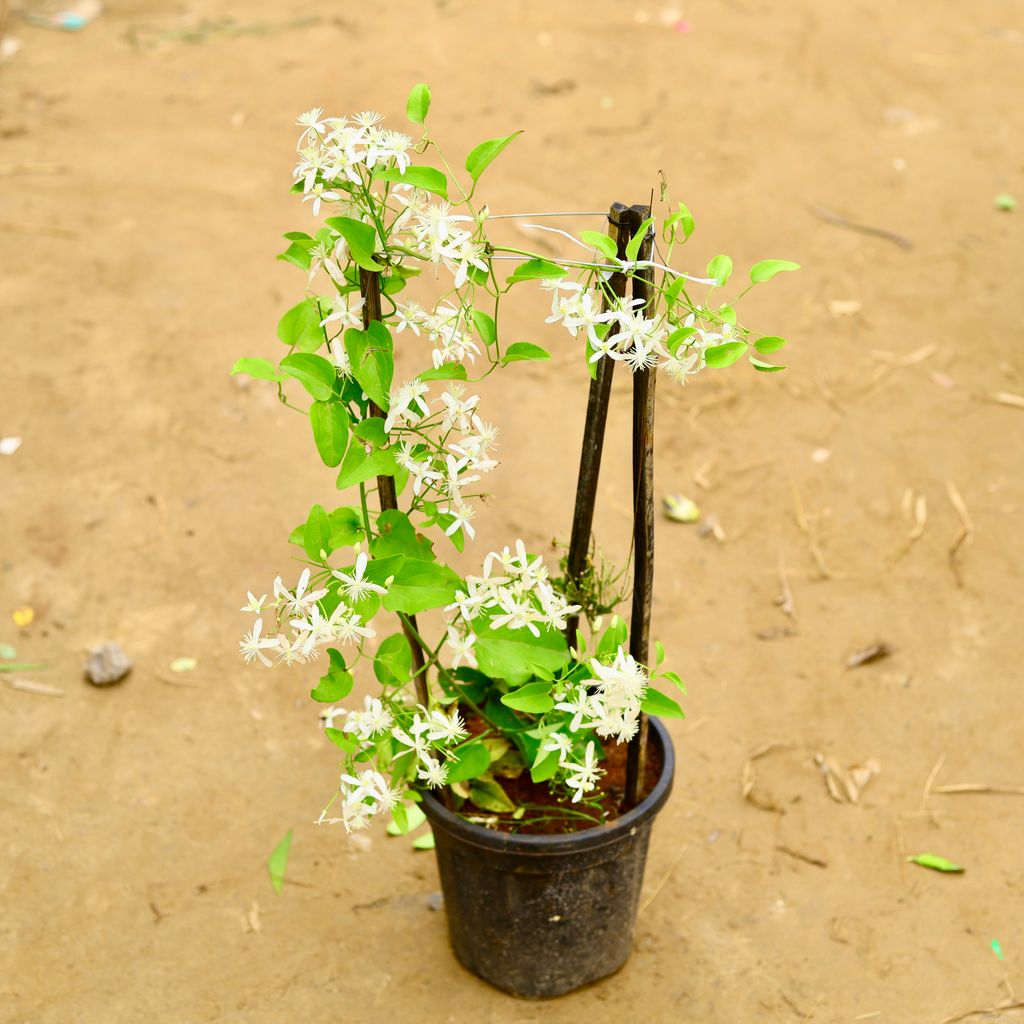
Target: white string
[(622, 265)]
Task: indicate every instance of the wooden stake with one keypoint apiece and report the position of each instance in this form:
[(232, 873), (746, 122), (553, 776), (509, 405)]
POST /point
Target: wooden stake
[(593, 432), (369, 288), (643, 513)]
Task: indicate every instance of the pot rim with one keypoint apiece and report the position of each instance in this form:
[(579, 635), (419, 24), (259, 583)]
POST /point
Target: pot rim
[(573, 842)]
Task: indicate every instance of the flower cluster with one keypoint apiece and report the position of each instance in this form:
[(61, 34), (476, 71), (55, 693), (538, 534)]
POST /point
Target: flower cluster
[(443, 470), (609, 702), (624, 333), (579, 776), (308, 628), (513, 592), (338, 148), (427, 735)]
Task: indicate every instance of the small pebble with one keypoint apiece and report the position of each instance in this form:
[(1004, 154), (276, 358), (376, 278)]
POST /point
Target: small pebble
[(107, 664), (435, 901)]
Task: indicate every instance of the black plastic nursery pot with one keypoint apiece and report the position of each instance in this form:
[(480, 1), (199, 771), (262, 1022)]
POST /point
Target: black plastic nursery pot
[(541, 915)]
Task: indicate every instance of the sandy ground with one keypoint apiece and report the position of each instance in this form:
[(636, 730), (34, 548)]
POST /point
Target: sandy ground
[(144, 177)]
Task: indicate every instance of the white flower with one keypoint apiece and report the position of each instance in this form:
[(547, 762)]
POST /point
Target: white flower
[(354, 584), (459, 411), (407, 404), (345, 627), (347, 310), (442, 728), (462, 648), (432, 772), (297, 603), (340, 358), (558, 743), (582, 778), (255, 604), (374, 718), (579, 707), (253, 646), (410, 314), (462, 515)]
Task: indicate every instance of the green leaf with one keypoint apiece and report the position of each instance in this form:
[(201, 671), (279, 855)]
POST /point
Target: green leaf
[(724, 355), (297, 254), (656, 703), (357, 466), (612, 639), (633, 246), (930, 860), (447, 371), (489, 796), (361, 239), (372, 431), (429, 179), (682, 218), (342, 740), (418, 104), (536, 270), (392, 665), (760, 364), (473, 759), (316, 535), (674, 679), (397, 536), (720, 268), (419, 585), (337, 683), (726, 314), (405, 819), (767, 269), (346, 526), (424, 842), (523, 350), (373, 365), (768, 345), (516, 655), (677, 337), (533, 699), (330, 424), (659, 653), (278, 861), (300, 326), (316, 374), (259, 369), (546, 768), (485, 326), (603, 243), (481, 156)]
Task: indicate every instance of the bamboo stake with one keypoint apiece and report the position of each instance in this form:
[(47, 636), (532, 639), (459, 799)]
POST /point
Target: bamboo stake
[(369, 288), (593, 433), (643, 512)]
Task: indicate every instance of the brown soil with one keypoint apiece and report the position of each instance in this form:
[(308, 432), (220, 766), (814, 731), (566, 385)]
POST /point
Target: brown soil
[(144, 191)]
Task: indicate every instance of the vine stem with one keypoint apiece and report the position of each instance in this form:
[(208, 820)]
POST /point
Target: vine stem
[(593, 433), (643, 513), (369, 288)]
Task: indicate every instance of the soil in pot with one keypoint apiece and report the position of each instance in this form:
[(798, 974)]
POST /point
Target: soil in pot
[(547, 811)]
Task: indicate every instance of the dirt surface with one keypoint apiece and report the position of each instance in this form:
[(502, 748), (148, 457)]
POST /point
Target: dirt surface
[(144, 172)]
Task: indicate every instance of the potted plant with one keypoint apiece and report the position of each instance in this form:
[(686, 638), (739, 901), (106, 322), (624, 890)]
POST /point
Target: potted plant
[(508, 706)]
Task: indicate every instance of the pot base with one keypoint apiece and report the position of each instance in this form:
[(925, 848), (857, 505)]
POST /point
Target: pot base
[(541, 915)]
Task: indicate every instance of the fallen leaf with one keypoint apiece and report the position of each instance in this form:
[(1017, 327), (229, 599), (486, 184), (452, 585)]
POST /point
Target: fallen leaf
[(23, 616), (680, 509), (278, 861), (844, 307), (930, 860), (9, 445), (183, 664), (866, 655)]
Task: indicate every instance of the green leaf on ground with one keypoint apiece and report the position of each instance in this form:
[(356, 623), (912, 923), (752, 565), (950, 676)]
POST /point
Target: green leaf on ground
[(278, 861)]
